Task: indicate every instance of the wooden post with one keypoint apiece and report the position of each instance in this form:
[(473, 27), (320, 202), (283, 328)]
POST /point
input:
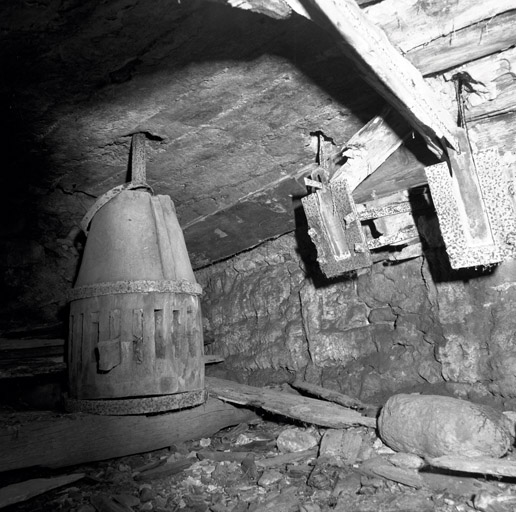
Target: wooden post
[(370, 147)]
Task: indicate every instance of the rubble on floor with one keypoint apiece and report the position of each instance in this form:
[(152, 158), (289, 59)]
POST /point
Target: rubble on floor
[(300, 455), (270, 465)]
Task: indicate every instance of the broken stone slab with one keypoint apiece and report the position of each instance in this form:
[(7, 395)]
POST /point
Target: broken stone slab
[(343, 445), (287, 458), (309, 507), (127, 499), (223, 456), (270, 477), (249, 467), (478, 465), (486, 502), (323, 476), (347, 484), (406, 460), (106, 503), (296, 440), (164, 470), (433, 426), (286, 501), (378, 466)]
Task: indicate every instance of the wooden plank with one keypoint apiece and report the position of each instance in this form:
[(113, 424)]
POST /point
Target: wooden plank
[(331, 395), (308, 410), (29, 367), (474, 42), (45, 439), (403, 201), (36, 343), (497, 132), (386, 70), (23, 491), (219, 235), (411, 23), (401, 237), (403, 170), (478, 465), (370, 147)]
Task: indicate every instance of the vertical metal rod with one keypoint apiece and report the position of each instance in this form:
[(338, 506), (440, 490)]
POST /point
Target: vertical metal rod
[(138, 172)]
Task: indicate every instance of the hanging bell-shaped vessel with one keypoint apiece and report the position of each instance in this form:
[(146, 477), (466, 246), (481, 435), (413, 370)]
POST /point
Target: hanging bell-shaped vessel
[(135, 335)]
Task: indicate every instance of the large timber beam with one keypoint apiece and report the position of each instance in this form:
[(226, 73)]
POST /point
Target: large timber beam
[(391, 36), (383, 66), (370, 147), (433, 37)]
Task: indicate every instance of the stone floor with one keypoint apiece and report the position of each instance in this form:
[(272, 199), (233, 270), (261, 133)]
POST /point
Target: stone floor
[(268, 465)]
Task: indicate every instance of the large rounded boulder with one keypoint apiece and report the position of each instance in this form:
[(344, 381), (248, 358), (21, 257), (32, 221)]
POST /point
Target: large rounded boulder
[(432, 426)]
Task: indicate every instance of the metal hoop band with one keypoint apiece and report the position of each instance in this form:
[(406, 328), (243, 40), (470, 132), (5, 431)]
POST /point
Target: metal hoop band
[(95, 290)]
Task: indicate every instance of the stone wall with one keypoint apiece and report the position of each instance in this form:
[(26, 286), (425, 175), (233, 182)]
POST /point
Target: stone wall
[(409, 326)]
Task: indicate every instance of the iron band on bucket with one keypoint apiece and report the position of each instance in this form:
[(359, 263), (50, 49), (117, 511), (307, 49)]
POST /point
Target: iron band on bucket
[(144, 405), (96, 290)]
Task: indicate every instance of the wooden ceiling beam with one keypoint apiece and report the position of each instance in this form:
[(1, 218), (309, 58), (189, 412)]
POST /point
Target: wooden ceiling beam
[(385, 69), (434, 39), (430, 39)]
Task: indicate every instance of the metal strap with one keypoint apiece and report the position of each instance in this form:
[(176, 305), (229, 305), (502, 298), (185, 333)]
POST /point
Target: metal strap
[(95, 290)]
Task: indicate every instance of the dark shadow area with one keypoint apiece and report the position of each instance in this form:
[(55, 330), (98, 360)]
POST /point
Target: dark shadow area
[(33, 393)]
